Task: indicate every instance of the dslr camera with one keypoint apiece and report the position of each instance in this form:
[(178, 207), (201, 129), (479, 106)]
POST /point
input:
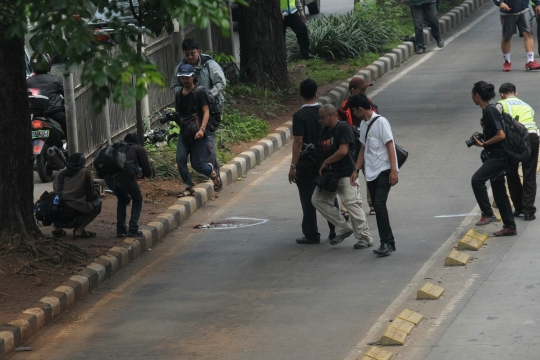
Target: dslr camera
[(166, 117), (471, 141), (309, 150)]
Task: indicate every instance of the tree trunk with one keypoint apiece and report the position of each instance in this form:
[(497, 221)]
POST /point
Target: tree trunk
[(263, 60), (16, 156)]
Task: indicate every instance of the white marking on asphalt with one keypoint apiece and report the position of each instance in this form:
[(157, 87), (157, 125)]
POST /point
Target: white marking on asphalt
[(426, 57), (456, 215)]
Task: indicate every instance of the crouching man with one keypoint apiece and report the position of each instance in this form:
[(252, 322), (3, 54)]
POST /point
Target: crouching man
[(80, 199), (337, 148)]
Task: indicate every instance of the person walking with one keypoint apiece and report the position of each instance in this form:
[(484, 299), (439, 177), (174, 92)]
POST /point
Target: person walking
[(516, 14), (494, 164), (126, 189), (336, 147), (427, 8), (378, 157), (293, 16), (304, 165), (523, 195)]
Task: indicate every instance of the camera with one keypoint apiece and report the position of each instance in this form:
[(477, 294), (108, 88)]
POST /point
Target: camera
[(166, 117), (310, 149), (471, 141)]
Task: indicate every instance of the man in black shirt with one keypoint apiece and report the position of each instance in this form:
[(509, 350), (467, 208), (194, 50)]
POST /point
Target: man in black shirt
[(494, 162), (337, 149), (307, 130)]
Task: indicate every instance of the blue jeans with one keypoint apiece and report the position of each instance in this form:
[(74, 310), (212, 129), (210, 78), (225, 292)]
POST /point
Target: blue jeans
[(211, 150), (196, 149), (124, 191)]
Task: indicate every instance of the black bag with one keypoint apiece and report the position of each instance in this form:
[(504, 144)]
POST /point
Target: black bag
[(327, 181), (111, 160), (49, 206), (516, 142), (401, 153), (215, 112)]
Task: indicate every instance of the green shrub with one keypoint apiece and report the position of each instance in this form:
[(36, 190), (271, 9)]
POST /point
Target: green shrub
[(236, 127), (163, 160)]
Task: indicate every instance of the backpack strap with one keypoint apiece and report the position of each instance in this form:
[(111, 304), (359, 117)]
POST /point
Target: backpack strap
[(369, 127), (61, 181)]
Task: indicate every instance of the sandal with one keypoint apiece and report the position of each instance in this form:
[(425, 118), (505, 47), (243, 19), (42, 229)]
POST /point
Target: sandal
[(372, 211), (216, 178), (58, 233), (186, 192), (84, 235)]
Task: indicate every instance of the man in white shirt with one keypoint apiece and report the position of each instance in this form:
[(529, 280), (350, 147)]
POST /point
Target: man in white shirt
[(378, 157)]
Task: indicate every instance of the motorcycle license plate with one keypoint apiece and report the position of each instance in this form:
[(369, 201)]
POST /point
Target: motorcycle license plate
[(40, 134)]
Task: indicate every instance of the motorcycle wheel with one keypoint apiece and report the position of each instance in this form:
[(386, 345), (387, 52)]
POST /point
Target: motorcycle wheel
[(45, 173)]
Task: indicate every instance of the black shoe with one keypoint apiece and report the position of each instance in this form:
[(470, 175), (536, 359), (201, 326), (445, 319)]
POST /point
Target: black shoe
[(332, 236), (384, 250), (309, 56), (440, 42), (518, 213), (120, 234), (134, 234), (529, 217), (420, 50), (304, 240)]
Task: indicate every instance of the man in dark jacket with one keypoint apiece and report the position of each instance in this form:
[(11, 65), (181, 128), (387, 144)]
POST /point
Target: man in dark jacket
[(126, 189), (80, 199)]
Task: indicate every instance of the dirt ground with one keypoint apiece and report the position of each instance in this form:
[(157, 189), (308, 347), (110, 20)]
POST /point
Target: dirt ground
[(23, 281)]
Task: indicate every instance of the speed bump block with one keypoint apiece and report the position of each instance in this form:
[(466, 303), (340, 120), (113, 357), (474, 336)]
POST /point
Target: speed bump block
[(429, 292), (376, 353), (457, 258), (393, 336), (402, 325), (472, 240), (411, 316)]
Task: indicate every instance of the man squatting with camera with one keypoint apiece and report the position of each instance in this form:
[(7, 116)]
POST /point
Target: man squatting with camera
[(494, 161)]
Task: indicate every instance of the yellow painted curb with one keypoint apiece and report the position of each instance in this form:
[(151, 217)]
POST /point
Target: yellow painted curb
[(403, 325), (411, 316), (472, 240), (376, 353), (393, 336), (429, 292), (457, 258)]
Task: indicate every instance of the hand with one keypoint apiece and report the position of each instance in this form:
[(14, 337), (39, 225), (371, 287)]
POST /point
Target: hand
[(303, 16), (292, 176), (199, 134), (505, 7), (478, 142), (323, 166), (354, 176), (393, 177)]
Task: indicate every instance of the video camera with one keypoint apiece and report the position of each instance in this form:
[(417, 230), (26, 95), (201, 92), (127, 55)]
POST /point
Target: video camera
[(471, 141), (166, 117)]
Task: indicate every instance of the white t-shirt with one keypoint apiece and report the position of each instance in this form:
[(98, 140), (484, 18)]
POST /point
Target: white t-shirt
[(376, 159)]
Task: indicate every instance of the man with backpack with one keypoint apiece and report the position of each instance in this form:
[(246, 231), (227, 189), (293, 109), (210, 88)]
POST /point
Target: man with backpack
[(523, 195), (123, 182)]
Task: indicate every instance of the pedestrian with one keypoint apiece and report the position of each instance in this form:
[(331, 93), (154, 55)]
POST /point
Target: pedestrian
[(292, 12), (516, 14), (494, 160), (336, 148), (357, 85), (378, 157), (523, 195), (80, 199), (304, 164), (209, 75), (126, 189), (192, 114), (427, 8)]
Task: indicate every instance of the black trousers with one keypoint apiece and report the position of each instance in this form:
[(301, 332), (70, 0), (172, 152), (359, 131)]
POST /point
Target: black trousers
[(309, 220), (492, 170), (523, 195), (428, 10), (60, 117), (294, 21), (379, 190)]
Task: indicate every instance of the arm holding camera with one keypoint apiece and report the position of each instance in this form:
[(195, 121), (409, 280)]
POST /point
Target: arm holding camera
[(499, 136), (341, 152)]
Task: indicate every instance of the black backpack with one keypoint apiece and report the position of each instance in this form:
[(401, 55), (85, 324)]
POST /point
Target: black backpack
[(516, 141), (111, 160), (49, 206), (215, 112)]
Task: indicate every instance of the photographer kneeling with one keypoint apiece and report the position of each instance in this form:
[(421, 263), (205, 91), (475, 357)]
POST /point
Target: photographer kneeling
[(494, 162)]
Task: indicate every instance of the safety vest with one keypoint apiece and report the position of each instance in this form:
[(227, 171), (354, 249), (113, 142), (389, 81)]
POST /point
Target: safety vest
[(515, 107), (288, 7)]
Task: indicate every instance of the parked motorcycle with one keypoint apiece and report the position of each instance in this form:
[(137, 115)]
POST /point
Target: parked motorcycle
[(48, 140)]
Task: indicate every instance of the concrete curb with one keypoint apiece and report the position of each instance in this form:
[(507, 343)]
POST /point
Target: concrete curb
[(29, 322)]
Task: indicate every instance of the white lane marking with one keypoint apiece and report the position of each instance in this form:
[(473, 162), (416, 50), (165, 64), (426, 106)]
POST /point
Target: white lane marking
[(456, 215), (426, 57)]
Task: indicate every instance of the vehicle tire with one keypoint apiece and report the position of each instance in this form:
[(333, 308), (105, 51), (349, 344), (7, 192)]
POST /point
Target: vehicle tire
[(45, 173), (314, 7)]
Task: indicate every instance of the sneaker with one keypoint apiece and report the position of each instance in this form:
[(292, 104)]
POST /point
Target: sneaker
[(363, 244), (484, 220), (505, 232), (121, 234), (440, 42), (134, 234), (421, 50), (340, 238), (532, 65), (508, 66)]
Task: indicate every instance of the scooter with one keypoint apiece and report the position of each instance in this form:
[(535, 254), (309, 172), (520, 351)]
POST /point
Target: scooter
[(48, 140)]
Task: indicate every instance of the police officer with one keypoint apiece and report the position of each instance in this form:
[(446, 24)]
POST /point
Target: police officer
[(523, 195), (292, 12)]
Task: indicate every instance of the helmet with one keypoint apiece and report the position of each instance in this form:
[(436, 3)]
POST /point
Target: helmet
[(41, 67)]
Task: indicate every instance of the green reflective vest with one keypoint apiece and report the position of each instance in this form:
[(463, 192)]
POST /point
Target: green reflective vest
[(515, 107), (288, 6)]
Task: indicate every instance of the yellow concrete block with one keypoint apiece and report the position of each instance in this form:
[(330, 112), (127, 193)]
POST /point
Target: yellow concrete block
[(376, 353), (402, 325), (429, 292), (411, 316), (472, 240), (393, 336), (457, 258)]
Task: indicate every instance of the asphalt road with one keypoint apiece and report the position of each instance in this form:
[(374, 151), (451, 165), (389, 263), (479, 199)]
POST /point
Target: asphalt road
[(251, 292)]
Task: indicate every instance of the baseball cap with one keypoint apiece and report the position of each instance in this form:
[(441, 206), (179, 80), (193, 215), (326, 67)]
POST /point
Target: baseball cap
[(186, 70), (358, 82)]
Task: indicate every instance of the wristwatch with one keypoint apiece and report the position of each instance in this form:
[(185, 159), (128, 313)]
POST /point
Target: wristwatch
[(293, 166)]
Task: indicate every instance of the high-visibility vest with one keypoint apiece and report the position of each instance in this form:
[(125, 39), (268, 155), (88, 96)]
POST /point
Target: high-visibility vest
[(515, 107), (288, 6)]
